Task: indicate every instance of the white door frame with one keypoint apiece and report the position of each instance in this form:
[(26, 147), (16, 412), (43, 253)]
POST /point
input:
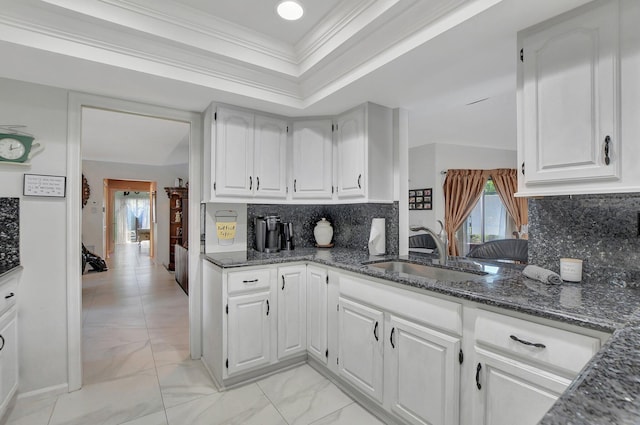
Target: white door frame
[(76, 102)]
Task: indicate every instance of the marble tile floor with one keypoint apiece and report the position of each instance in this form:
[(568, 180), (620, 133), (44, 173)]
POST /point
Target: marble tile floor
[(137, 369)]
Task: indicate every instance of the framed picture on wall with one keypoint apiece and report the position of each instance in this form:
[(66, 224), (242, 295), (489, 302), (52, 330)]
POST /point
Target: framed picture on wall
[(420, 199)]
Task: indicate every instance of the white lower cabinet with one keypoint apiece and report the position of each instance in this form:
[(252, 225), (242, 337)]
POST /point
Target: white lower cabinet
[(410, 357), (425, 373), (292, 310), (509, 391), (8, 341), (520, 367), (317, 319), (360, 331), (8, 359), (249, 331)]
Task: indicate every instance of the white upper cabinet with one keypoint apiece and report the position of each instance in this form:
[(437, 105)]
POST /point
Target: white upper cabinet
[(351, 154), (569, 96), (248, 152), (364, 154), (312, 160), (252, 156), (270, 157), (233, 153)]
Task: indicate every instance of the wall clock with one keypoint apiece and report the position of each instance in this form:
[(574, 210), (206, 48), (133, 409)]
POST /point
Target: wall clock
[(15, 147), (86, 191)]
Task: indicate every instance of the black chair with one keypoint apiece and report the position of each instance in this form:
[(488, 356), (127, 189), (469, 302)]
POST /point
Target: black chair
[(422, 241), (96, 263), (502, 249)]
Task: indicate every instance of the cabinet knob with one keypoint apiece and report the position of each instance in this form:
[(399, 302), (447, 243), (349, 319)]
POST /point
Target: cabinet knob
[(268, 309), (607, 140), (283, 282), (11, 295), (257, 183), (250, 183), (294, 185), (359, 178), (393, 331), (522, 168), (478, 369), (2, 339), (375, 331)]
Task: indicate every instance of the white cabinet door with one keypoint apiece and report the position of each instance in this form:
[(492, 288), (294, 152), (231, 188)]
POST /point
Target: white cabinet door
[(234, 153), (8, 359), (569, 101), (249, 331), (270, 158), (312, 159), (317, 293), (425, 373), (508, 391), (292, 310), (351, 145), (360, 335)]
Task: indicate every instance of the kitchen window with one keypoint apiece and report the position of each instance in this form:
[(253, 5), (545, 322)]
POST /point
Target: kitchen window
[(488, 221)]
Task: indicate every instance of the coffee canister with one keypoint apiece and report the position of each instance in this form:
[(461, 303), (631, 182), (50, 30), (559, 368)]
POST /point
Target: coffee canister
[(323, 232)]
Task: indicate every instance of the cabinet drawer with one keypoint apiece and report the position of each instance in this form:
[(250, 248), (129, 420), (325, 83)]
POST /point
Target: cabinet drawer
[(435, 312), (557, 348), (8, 293), (249, 280)]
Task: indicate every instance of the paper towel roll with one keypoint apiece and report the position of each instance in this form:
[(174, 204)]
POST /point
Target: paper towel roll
[(377, 240)]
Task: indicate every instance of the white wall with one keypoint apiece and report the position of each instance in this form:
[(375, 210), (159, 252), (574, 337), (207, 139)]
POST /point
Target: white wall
[(427, 161), (97, 171), (42, 293)]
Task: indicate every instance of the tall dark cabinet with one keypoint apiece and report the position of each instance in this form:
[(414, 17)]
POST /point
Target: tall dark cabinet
[(179, 234)]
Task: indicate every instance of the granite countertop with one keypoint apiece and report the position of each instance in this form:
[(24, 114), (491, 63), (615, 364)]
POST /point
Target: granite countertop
[(605, 390)]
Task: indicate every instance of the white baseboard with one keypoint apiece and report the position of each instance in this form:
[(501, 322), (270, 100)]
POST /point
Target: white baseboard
[(51, 391)]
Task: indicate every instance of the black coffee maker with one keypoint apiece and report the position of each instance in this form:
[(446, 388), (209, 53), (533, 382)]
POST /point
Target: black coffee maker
[(268, 233), (272, 235)]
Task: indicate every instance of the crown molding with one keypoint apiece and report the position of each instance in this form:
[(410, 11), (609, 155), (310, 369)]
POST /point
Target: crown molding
[(337, 28), (179, 23), (356, 64), (163, 19), (145, 36), (202, 70)]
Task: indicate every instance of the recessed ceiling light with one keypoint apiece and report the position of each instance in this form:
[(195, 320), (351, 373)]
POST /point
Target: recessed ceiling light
[(290, 10)]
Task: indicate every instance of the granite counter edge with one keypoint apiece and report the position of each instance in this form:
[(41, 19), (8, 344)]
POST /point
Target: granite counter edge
[(11, 271)]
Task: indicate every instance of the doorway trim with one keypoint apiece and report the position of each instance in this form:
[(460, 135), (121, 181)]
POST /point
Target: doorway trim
[(76, 101)]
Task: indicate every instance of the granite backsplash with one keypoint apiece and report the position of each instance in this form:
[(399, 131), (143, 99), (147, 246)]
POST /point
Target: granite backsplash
[(351, 223), (602, 230), (9, 233)]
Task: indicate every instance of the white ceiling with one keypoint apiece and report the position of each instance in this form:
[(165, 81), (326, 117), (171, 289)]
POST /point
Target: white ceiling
[(430, 57), (134, 139)]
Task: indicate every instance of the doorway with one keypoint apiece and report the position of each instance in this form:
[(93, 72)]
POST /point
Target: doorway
[(77, 105), (130, 215)]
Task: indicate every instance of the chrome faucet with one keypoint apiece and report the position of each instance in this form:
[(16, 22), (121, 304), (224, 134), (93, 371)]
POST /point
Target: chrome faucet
[(441, 241)]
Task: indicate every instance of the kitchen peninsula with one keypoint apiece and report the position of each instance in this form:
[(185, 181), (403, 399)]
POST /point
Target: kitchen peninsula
[(590, 312)]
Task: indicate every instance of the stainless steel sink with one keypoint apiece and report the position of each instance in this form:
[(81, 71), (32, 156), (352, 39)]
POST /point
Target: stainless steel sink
[(437, 273)]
